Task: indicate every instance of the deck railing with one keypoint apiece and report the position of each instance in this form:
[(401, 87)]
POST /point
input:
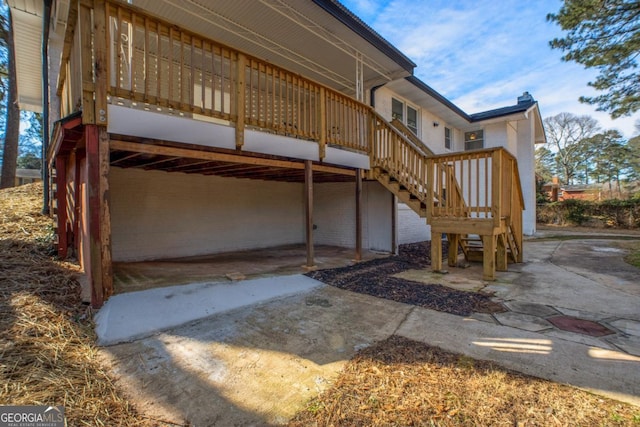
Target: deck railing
[(148, 63)]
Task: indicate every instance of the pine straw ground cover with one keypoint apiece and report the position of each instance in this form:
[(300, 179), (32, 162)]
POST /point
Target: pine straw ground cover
[(47, 355), (399, 382)]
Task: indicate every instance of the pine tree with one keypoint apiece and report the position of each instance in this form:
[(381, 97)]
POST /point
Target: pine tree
[(12, 129), (605, 35)]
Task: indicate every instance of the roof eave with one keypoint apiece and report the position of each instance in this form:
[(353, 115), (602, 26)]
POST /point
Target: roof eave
[(440, 98), (355, 24)]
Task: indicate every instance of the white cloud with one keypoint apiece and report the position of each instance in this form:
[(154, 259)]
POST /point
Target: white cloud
[(483, 54)]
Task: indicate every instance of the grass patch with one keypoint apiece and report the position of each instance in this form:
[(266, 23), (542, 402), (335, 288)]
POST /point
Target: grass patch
[(633, 257), (399, 382)]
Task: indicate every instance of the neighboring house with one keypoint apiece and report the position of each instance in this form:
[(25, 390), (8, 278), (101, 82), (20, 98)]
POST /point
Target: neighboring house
[(27, 176), (579, 192), (189, 128)]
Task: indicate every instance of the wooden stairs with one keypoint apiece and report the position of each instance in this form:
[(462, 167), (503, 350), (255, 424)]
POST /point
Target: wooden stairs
[(473, 197)]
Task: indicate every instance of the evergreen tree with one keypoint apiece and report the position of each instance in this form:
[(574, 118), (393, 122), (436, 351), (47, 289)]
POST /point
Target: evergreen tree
[(10, 96), (605, 35)]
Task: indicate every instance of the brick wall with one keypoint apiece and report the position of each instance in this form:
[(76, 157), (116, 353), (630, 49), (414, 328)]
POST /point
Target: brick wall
[(411, 228), (157, 214)]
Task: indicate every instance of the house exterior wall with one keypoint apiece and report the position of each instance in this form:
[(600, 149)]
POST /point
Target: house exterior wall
[(168, 215), (335, 215), (526, 165), (159, 215), (411, 228)]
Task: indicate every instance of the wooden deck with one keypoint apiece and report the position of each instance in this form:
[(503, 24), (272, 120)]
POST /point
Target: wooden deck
[(117, 54)]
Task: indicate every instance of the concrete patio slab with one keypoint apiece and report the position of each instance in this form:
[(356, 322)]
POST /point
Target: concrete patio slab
[(135, 315)]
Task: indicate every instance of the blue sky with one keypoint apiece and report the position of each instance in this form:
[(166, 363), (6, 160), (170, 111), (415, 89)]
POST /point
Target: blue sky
[(482, 54)]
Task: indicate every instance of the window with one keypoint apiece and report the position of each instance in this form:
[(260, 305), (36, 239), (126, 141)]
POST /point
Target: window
[(412, 119), (397, 109), (474, 140), (405, 113), (447, 138)]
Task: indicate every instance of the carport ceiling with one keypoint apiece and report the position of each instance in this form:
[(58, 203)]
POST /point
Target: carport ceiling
[(319, 39)]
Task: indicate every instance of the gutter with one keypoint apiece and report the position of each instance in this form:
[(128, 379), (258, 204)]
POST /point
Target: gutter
[(46, 20)]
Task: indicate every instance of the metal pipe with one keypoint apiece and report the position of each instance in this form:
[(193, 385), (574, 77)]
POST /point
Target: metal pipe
[(46, 20)]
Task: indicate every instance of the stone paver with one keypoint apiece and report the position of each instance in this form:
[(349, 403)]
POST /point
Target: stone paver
[(523, 321), (539, 310), (629, 345), (631, 327)]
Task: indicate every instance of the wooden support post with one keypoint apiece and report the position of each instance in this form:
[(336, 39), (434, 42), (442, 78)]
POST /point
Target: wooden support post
[(358, 215), (240, 101), (454, 242), (322, 143), (61, 200), (105, 213), (436, 251), (308, 186), (101, 63), (101, 279), (501, 253), (489, 257), (86, 64), (496, 187)]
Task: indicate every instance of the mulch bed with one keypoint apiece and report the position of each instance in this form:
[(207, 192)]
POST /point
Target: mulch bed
[(375, 277)]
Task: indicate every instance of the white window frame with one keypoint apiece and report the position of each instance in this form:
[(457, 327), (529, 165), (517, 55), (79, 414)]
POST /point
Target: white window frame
[(474, 140), (404, 118), (448, 139)]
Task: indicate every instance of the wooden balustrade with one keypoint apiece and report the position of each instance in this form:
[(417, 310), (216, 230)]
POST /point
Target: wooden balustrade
[(155, 65)]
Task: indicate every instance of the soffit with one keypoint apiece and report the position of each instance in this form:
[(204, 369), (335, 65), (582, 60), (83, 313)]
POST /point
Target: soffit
[(297, 35), (27, 33)]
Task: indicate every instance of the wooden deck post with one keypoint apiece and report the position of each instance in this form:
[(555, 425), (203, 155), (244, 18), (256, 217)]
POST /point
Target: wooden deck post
[(308, 185), (322, 143), (61, 201), (501, 253), (86, 61), (454, 242), (101, 62), (240, 101), (489, 257), (436, 251), (358, 215), (101, 279)]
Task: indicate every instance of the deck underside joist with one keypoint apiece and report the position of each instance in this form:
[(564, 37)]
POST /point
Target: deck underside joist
[(127, 152)]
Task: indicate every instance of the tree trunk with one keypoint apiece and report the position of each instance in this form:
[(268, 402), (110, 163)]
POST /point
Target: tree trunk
[(12, 130)]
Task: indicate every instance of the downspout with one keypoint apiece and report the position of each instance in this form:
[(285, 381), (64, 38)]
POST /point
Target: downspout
[(46, 20), (372, 95), (394, 199)]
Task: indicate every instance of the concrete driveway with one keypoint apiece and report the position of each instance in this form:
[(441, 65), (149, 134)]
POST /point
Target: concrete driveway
[(574, 317)]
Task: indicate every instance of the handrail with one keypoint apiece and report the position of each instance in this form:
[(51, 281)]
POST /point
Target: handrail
[(411, 137), (154, 64)]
